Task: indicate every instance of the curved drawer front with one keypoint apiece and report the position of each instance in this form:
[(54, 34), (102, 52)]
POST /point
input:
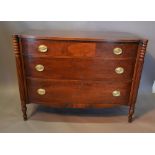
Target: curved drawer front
[(53, 48), (77, 92), (78, 69)]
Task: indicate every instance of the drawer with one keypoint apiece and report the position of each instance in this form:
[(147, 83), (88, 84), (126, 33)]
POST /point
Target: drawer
[(53, 48), (79, 69), (50, 92)]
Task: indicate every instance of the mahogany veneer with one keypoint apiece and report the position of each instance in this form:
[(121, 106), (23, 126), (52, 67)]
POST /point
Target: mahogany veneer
[(70, 92), (79, 69)]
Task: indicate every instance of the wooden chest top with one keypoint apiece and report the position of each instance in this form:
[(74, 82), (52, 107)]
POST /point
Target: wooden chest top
[(107, 36)]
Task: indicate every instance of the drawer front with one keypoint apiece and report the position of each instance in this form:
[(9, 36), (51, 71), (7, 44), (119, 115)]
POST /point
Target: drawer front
[(79, 69), (53, 48), (77, 92)]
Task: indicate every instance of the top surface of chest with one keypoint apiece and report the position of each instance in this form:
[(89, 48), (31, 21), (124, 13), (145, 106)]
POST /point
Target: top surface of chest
[(82, 36)]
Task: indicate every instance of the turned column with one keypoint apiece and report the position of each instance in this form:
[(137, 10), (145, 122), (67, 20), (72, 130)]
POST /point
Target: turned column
[(137, 77), (20, 74)]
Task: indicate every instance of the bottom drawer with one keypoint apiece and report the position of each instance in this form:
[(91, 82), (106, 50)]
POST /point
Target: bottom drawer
[(72, 92)]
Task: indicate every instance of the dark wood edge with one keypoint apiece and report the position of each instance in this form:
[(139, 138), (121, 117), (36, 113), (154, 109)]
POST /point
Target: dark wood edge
[(79, 39), (20, 74), (137, 75)]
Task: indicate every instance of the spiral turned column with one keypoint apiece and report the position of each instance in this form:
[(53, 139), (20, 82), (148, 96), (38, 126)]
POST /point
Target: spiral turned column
[(20, 74), (137, 76)]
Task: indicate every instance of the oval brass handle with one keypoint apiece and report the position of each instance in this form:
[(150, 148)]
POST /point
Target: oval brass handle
[(42, 48), (39, 68), (117, 51), (41, 91), (116, 93), (119, 70)]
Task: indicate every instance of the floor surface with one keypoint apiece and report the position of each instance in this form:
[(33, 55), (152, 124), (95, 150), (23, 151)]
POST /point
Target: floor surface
[(44, 119)]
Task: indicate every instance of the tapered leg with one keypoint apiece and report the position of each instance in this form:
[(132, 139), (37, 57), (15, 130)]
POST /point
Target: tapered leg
[(131, 112), (24, 110)]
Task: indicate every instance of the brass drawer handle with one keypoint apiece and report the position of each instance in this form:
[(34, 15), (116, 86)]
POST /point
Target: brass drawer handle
[(41, 91), (39, 68), (116, 93), (42, 48), (119, 70), (117, 51)]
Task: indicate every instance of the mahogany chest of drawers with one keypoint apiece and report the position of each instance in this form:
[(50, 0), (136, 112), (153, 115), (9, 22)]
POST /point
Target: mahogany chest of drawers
[(79, 69)]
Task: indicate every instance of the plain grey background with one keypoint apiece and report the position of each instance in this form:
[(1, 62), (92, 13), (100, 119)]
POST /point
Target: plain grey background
[(8, 78)]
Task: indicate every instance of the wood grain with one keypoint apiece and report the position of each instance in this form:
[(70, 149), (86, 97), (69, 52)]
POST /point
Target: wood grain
[(101, 36), (77, 92), (97, 69), (78, 49)]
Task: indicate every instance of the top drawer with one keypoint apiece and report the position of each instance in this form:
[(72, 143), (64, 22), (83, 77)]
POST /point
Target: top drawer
[(53, 48)]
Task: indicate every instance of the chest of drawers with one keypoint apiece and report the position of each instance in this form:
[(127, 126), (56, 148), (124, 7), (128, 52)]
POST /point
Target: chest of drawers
[(79, 69)]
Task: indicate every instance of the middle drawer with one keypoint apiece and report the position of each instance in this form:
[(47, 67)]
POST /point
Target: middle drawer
[(79, 69)]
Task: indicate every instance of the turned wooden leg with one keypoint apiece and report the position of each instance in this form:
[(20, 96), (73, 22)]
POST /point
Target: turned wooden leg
[(21, 74), (24, 110), (131, 112)]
